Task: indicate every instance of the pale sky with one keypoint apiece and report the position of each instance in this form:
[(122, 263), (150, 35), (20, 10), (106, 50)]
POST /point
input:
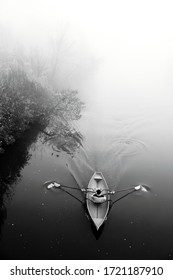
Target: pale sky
[(138, 25), (133, 37)]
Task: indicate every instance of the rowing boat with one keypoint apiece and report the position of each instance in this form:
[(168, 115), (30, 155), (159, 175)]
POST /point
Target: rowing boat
[(97, 211), (97, 204)]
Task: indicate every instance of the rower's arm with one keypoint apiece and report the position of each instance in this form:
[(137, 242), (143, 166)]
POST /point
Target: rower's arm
[(108, 191), (87, 190), (104, 190)]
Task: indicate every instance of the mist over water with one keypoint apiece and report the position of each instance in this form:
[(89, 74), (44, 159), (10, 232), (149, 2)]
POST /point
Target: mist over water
[(121, 62)]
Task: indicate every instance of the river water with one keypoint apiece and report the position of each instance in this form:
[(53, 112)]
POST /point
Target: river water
[(127, 135)]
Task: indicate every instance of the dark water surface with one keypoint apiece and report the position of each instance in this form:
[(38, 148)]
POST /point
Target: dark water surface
[(130, 141)]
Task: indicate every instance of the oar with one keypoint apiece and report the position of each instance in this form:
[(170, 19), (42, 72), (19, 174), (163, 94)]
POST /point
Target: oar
[(139, 187), (136, 188), (133, 189), (52, 184)]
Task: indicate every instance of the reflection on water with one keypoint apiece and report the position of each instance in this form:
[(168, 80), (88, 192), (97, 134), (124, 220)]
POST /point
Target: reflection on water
[(61, 133), (145, 188), (11, 164), (66, 140)]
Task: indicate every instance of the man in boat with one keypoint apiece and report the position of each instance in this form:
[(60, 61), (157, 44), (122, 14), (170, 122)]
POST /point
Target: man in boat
[(98, 197)]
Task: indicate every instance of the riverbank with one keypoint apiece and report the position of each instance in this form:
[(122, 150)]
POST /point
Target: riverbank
[(25, 102)]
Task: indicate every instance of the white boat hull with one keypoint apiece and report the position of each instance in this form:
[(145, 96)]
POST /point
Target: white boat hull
[(98, 211)]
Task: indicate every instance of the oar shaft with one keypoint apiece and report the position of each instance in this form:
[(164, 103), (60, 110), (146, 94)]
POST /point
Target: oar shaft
[(90, 190), (73, 188), (123, 190)]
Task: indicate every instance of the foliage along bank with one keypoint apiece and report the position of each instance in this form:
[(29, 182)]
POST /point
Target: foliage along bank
[(24, 102)]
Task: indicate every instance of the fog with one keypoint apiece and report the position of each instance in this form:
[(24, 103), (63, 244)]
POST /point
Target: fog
[(119, 56), (120, 49)]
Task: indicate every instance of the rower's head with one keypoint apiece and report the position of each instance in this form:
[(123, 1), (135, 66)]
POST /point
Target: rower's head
[(98, 191)]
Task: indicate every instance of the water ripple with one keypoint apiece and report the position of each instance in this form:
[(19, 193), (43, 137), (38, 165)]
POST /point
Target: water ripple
[(128, 146)]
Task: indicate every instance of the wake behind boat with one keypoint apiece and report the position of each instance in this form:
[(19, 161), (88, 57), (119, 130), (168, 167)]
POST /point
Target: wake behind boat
[(98, 206)]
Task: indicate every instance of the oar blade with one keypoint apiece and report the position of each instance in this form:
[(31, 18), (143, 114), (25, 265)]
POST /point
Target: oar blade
[(142, 188), (57, 185), (137, 188), (51, 184)]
